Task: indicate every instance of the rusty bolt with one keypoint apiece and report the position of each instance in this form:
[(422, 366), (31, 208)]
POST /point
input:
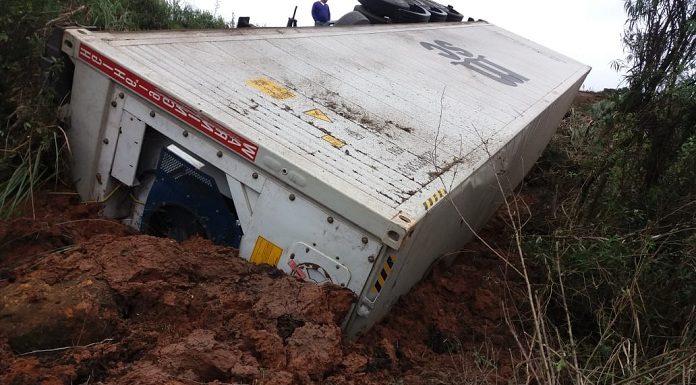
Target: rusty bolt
[(364, 240), (255, 175), (329, 219)]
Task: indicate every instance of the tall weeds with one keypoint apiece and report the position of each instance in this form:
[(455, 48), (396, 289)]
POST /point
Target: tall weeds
[(614, 300), (618, 241)]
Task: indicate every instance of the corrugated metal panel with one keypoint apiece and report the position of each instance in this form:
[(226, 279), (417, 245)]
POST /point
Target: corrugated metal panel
[(413, 113)]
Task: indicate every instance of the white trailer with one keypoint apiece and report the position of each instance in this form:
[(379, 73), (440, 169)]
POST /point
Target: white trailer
[(355, 155)]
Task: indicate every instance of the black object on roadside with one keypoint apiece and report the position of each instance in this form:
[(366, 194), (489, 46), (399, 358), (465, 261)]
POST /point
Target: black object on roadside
[(243, 22)]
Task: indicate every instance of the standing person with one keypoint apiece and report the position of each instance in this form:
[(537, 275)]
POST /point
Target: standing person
[(321, 13)]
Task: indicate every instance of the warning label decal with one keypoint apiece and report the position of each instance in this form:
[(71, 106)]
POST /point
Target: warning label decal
[(271, 88), (265, 252), (338, 143), (318, 114)]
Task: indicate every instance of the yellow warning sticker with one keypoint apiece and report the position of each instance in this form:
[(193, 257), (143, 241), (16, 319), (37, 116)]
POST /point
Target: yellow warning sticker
[(338, 143), (271, 88), (383, 274), (318, 114), (433, 199), (265, 252)]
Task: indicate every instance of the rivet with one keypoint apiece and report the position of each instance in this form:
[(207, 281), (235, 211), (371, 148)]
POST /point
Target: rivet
[(291, 197), (219, 154), (329, 219), (255, 175), (152, 114), (106, 141), (113, 104), (185, 134), (364, 240), (371, 258), (121, 95), (338, 267), (292, 256)]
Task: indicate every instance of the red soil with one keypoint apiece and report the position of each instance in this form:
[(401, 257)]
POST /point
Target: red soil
[(122, 308)]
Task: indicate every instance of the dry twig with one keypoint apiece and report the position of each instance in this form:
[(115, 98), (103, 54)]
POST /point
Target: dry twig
[(104, 341)]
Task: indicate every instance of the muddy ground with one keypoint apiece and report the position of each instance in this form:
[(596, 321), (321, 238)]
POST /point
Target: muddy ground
[(84, 300)]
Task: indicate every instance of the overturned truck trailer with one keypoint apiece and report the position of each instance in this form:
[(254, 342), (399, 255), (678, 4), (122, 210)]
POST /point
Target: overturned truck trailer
[(354, 155)]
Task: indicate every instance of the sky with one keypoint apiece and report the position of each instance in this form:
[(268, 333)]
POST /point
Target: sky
[(586, 30)]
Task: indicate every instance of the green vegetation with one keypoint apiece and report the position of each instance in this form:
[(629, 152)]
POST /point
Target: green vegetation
[(33, 144), (618, 242)]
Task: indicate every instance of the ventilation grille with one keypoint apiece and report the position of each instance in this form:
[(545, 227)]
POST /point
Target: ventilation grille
[(181, 171)]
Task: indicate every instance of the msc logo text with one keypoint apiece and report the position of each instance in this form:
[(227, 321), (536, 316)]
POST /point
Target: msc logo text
[(477, 63)]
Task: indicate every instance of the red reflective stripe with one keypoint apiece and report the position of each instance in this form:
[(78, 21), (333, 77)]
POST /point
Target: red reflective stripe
[(183, 112)]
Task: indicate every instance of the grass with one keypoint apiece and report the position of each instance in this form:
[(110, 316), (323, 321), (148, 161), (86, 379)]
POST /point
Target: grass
[(26, 174), (613, 306)]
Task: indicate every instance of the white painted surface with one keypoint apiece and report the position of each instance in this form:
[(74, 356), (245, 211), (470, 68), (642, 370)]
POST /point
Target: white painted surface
[(586, 30), (382, 90), (130, 141)]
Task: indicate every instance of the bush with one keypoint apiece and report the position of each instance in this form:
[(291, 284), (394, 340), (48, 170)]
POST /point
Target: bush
[(617, 301), (32, 141)]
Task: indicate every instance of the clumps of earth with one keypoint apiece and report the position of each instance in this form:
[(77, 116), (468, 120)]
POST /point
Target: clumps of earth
[(85, 300)]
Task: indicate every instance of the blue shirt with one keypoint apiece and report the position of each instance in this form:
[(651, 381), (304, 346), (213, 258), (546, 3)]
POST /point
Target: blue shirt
[(320, 12)]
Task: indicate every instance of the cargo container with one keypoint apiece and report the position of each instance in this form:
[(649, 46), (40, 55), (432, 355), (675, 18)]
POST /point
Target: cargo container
[(354, 155)]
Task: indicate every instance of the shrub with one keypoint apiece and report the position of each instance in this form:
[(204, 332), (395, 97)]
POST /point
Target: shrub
[(32, 142)]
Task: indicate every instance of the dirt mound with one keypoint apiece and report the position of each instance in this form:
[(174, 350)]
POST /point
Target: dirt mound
[(56, 223), (38, 315), (192, 311), (450, 329), (136, 309)]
